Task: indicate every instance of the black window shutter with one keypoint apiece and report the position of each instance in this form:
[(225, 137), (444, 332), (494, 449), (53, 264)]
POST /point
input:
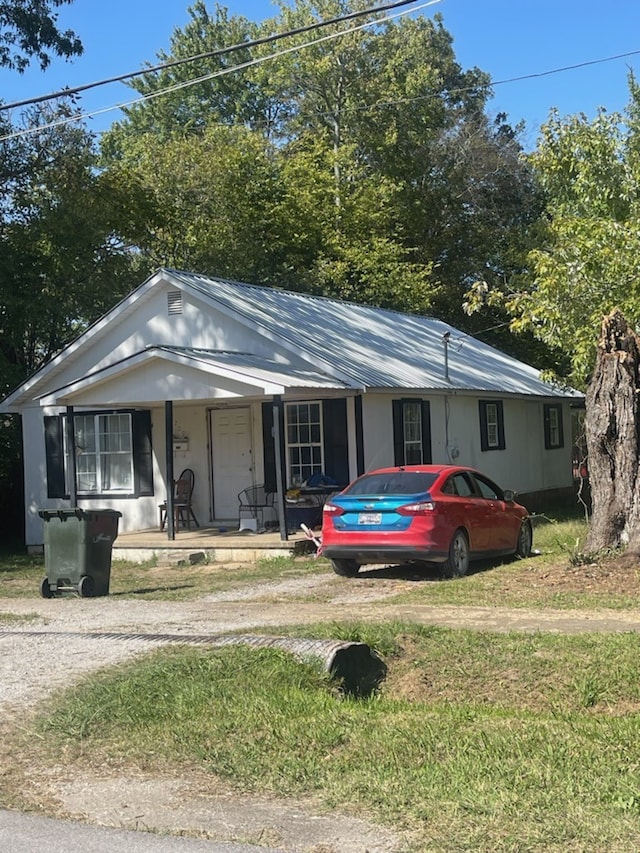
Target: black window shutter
[(142, 452), (54, 449), (426, 433), (484, 444), (501, 441), (269, 448), (398, 433), (336, 444)]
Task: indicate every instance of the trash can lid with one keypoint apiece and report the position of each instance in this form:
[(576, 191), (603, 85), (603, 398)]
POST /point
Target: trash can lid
[(48, 514)]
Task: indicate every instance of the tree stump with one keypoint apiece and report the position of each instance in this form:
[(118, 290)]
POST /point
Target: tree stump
[(612, 434)]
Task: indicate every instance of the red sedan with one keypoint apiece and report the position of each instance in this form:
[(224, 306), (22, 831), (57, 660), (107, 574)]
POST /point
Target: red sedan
[(443, 514)]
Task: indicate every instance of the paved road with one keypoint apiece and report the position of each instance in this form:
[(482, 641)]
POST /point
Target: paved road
[(20, 833)]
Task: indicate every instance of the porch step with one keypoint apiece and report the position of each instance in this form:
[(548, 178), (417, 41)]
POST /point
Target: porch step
[(207, 545)]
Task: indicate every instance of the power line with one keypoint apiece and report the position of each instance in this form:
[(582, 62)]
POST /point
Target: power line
[(208, 55), (220, 73), (565, 68), (250, 63)]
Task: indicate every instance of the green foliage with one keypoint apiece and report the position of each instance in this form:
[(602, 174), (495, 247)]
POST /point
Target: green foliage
[(361, 167), (63, 262), (503, 741), (226, 98), (28, 29), (582, 263), (206, 203)]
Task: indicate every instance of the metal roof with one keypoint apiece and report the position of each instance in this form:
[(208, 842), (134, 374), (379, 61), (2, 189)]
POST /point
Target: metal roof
[(372, 347), (258, 367)]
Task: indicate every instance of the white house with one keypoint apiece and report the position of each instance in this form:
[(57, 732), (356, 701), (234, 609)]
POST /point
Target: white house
[(247, 384)]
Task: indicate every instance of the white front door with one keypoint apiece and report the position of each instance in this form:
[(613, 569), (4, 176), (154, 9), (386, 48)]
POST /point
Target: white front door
[(231, 459)]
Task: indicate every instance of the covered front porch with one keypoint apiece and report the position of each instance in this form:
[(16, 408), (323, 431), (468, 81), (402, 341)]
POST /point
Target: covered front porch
[(209, 544), (224, 425)]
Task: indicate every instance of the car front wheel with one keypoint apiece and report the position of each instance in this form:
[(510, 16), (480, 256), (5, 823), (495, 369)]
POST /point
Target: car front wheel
[(345, 568), (525, 539), (457, 562)]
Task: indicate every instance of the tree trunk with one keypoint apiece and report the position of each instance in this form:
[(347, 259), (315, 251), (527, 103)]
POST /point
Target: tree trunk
[(613, 438)]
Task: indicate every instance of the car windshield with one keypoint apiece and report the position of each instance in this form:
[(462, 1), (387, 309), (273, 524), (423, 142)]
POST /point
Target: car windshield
[(394, 483)]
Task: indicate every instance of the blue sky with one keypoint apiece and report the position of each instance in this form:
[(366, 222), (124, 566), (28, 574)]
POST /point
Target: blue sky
[(506, 38)]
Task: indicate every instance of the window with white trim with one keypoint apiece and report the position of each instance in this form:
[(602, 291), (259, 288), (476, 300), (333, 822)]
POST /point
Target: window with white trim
[(491, 425), (493, 436), (553, 432), (304, 451), (104, 453), (412, 432)]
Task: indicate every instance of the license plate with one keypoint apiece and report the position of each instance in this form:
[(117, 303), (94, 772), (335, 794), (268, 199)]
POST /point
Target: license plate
[(369, 518)]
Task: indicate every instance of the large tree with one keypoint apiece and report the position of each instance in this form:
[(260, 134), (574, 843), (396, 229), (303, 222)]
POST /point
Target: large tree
[(62, 261), (29, 30), (585, 268), (613, 438), (381, 178), (584, 261)]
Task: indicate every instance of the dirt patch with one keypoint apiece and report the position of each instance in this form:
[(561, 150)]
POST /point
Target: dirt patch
[(619, 576), (197, 806)]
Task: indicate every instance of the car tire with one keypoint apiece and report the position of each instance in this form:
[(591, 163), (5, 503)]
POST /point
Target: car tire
[(345, 568), (457, 562), (525, 539)]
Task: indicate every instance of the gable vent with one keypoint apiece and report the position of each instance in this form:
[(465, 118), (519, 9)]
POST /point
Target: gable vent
[(174, 302)]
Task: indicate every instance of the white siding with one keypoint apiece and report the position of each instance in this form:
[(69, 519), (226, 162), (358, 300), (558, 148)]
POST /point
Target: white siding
[(524, 465)]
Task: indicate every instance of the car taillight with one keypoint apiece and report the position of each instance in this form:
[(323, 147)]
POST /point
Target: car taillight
[(332, 509), (416, 509)]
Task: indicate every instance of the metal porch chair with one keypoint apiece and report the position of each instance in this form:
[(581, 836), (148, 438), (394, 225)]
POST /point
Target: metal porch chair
[(253, 502)]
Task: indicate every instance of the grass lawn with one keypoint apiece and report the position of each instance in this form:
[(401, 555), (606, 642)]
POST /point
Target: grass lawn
[(475, 741), (556, 577)]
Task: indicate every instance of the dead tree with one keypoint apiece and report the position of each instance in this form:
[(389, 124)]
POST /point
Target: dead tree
[(613, 438)]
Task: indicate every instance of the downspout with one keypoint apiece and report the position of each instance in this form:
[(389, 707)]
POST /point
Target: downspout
[(168, 432), (71, 444)]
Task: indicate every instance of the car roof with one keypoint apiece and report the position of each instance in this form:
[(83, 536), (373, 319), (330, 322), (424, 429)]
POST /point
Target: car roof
[(421, 469)]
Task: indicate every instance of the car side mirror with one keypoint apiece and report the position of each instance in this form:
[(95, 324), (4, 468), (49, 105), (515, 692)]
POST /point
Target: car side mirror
[(509, 495)]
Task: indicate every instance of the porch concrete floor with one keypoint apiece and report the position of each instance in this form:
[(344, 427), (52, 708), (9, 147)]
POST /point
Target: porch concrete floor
[(196, 544)]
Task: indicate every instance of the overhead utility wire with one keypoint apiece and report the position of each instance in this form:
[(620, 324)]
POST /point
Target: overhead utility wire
[(207, 55), (220, 73), (564, 68)]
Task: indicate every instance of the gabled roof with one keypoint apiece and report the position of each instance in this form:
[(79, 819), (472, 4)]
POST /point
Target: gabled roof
[(345, 345), (373, 347), (257, 375)]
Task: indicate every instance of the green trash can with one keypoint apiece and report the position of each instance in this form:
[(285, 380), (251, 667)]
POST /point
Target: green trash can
[(77, 551)]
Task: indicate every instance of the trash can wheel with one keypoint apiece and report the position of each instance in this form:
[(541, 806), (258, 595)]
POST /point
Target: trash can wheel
[(87, 587), (45, 588)]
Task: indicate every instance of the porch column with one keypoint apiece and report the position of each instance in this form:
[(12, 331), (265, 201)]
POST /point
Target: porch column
[(169, 474), (357, 401), (71, 444), (282, 517)]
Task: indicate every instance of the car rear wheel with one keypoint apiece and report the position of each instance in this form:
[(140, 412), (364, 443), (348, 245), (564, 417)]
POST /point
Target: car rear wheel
[(457, 562), (525, 539), (345, 568)]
